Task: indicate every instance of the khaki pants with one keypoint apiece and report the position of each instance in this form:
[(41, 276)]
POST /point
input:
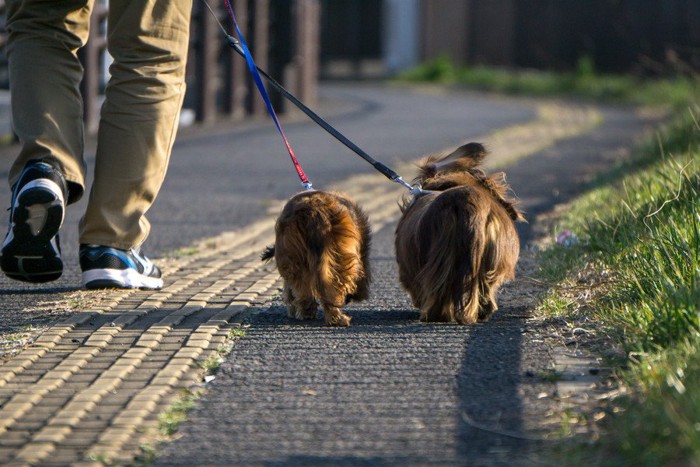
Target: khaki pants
[(148, 40)]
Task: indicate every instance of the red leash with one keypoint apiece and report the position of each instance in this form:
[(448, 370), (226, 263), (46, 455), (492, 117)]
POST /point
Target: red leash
[(268, 103)]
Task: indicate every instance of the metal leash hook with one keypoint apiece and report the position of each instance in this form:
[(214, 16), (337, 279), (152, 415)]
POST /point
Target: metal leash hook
[(415, 189)]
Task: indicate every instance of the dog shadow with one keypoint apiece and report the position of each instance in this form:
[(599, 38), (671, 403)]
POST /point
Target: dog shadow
[(276, 315), (489, 381)]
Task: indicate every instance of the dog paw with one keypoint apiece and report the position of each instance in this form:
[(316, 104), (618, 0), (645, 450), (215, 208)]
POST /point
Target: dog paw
[(484, 315), (466, 320), (340, 320), (305, 314), (486, 310)]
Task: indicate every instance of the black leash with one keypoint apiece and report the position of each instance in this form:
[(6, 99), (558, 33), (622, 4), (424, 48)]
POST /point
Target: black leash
[(386, 171)]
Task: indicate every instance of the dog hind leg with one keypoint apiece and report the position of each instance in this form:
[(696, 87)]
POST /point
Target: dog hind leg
[(332, 296), (489, 291), (303, 305), (469, 312), (288, 298), (307, 308), (437, 310)]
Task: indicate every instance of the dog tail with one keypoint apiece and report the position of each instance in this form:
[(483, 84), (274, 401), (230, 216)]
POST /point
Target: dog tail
[(268, 254), (453, 245)]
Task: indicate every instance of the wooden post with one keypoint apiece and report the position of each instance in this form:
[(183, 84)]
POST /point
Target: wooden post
[(207, 46), (236, 89), (307, 17)]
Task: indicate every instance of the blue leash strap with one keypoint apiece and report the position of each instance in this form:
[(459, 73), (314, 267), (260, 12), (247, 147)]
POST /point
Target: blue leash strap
[(266, 97)]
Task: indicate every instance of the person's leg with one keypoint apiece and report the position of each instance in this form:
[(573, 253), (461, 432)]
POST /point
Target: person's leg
[(148, 41), (45, 74), (47, 113)]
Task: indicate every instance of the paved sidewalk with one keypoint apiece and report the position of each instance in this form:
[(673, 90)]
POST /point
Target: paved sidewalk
[(90, 389)]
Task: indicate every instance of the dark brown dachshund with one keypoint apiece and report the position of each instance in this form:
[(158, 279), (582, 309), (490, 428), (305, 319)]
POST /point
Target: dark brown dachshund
[(322, 243), (456, 245)]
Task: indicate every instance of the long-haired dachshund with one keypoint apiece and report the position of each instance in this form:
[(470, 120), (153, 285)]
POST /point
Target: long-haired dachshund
[(457, 243), (322, 242)]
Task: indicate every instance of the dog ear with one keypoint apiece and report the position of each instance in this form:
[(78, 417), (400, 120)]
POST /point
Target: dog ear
[(463, 158), (475, 151)]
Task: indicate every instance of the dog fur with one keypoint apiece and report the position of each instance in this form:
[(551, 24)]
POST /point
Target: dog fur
[(322, 243), (456, 245)]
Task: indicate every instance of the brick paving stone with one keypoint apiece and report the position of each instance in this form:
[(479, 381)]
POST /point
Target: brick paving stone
[(167, 381), (170, 347), (63, 346), (81, 438), (23, 380), (6, 453), (31, 426), (15, 438), (35, 416), (136, 381), (91, 395), (147, 368), (62, 456), (52, 434), (85, 376), (93, 424), (34, 452)]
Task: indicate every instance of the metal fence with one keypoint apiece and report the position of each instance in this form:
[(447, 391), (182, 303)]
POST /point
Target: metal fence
[(641, 36), (620, 36), (283, 37)]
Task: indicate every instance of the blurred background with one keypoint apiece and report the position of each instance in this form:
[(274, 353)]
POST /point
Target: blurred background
[(300, 42)]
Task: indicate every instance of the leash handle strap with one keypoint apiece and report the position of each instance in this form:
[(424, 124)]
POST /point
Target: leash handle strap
[(263, 92)]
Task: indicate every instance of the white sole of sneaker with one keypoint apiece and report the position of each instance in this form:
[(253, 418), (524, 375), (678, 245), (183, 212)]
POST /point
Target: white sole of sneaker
[(37, 214), (119, 278), (30, 250)]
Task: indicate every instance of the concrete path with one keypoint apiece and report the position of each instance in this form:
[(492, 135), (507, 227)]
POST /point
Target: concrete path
[(388, 390)]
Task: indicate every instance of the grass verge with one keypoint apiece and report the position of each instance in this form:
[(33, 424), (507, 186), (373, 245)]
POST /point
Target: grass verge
[(634, 277), (584, 82)]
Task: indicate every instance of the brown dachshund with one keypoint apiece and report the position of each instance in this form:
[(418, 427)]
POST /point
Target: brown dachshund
[(457, 243), (322, 243)]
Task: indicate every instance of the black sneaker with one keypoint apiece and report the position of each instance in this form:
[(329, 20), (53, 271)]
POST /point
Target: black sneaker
[(31, 250), (108, 268)]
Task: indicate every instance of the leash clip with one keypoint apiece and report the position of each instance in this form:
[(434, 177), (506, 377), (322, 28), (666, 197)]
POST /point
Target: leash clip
[(232, 41), (415, 189)]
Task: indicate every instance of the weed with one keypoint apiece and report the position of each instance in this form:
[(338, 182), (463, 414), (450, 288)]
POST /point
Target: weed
[(148, 454), (549, 375), (184, 252), (212, 363), (170, 420)]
